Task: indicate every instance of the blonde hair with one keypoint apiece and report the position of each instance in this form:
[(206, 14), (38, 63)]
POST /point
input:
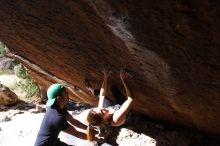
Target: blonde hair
[(90, 133), (93, 119)]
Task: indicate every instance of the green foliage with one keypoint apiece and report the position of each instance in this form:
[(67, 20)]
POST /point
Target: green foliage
[(27, 86), (2, 49), (21, 72)]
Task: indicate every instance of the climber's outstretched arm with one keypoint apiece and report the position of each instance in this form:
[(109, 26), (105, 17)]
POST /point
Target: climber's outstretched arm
[(103, 90), (119, 116)]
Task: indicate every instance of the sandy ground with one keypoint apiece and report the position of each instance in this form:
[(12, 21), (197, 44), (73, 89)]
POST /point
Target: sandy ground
[(21, 130), (9, 81), (21, 127)]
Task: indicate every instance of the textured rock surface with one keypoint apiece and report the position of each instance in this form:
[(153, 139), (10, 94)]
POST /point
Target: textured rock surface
[(172, 47), (7, 97)]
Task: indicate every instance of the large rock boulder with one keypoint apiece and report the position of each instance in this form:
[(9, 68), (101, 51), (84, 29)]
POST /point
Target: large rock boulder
[(7, 97), (171, 46)]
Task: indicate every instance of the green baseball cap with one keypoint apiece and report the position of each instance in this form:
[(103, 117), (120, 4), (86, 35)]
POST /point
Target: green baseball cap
[(52, 93)]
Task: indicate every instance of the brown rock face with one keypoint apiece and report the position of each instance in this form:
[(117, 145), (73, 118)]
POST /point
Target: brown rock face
[(172, 47), (7, 97)]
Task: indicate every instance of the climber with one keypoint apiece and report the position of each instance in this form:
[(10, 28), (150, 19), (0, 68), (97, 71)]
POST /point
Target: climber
[(57, 119), (113, 115)]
